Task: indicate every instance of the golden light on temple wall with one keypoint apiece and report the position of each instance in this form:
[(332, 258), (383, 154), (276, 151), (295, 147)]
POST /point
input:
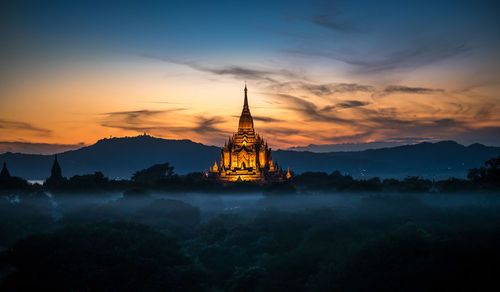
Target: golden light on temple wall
[(246, 156)]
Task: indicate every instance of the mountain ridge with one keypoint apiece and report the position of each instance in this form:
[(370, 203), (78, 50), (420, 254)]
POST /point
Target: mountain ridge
[(120, 157)]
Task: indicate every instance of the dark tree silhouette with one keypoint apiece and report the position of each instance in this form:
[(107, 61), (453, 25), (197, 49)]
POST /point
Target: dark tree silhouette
[(488, 175), (154, 175)]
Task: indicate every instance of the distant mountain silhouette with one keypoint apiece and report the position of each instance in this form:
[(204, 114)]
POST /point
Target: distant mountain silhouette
[(440, 160), (323, 148), (37, 148), (121, 157), (116, 157)]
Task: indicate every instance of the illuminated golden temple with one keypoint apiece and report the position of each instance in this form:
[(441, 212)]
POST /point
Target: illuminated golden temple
[(245, 156)]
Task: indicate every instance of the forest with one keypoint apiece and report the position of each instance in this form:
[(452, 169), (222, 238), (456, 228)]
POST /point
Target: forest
[(162, 178), (318, 232)]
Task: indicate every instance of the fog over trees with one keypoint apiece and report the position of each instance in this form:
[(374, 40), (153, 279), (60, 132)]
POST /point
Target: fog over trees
[(317, 232)]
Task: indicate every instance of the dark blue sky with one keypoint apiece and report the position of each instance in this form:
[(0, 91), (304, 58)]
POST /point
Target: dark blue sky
[(217, 27)]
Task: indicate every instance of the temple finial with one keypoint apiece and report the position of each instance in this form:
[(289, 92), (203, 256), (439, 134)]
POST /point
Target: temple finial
[(245, 104)]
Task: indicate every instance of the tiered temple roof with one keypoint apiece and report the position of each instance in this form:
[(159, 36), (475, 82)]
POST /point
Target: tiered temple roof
[(246, 156)]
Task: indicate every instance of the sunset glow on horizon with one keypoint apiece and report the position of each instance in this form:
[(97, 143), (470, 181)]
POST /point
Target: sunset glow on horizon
[(317, 72)]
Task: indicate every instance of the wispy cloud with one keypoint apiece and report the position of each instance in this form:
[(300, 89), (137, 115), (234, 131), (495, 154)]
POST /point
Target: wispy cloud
[(235, 71), (411, 57), (22, 126), (415, 90), (333, 20), (138, 120), (352, 103), (326, 15), (348, 138), (484, 112), (262, 119), (36, 148), (365, 121), (134, 117), (266, 119), (149, 121), (409, 140), (280, 131), (207, 125), (415, 55), (322, 89), (308, 109), (345, 105)]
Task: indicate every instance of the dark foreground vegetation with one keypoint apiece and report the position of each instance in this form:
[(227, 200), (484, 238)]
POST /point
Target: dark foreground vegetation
[(316, 232), (279, 243)]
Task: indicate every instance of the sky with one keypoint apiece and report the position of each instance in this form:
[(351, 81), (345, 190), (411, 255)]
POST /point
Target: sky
[(318, 72)]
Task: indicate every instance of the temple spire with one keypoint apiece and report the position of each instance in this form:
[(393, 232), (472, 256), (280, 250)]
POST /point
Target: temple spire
[(56, 172), (246, 121), (245, 103), (5, 172)]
